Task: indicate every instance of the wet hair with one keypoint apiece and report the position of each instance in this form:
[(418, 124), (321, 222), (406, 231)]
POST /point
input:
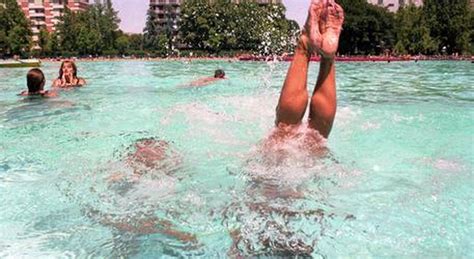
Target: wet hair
[(74, 73), (219, 73), (35, 80)]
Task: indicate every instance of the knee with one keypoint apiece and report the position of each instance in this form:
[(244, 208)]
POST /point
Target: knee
[(323, 109)]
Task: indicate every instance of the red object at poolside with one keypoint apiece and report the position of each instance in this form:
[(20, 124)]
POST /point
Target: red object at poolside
[(340, 59)]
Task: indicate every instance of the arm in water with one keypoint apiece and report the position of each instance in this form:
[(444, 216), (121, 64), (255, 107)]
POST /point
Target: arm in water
[(320, 35)]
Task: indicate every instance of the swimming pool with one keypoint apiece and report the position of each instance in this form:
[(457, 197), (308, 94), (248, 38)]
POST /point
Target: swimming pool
[(398, 179)]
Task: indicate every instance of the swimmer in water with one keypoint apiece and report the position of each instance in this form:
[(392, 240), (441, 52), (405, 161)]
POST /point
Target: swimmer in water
[(68, 76), (145, 157), (320, 35), (219, 74), (35, 82)]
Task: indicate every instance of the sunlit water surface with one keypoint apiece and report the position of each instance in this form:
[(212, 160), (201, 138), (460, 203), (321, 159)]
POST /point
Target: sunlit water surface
[(397, 179)]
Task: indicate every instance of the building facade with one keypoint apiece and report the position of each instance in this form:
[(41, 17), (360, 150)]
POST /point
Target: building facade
[(394, 5)]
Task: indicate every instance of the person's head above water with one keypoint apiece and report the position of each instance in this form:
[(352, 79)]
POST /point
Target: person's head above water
[(35, 80), (219, 73), (68, 67), (68, 76)]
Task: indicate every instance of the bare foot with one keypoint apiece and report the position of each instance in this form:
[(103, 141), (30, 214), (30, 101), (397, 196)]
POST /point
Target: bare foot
[(323, 27), (330, 26), (311, 38)]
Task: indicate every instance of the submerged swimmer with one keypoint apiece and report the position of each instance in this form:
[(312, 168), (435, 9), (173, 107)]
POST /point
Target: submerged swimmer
[(153, 159), (219, 74), (68, 76), (264, 217)]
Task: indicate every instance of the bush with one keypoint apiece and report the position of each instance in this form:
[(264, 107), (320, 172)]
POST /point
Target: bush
[(136, 53), (110, 53)]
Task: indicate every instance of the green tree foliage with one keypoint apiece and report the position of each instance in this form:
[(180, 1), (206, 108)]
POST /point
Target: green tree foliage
[(413, 33), (109, 24), (159, 38), (43, 42), (151, 31), (136, 42), (222, 25), (15, 32), (53, 46), (450, 24), (122, 44), (368, 29), (91, 32)]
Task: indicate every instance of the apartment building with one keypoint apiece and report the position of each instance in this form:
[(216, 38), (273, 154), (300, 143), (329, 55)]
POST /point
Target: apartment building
[(46, 13), (168, 11), (394, 5)]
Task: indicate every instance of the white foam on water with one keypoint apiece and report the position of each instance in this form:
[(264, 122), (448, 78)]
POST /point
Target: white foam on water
[(402, 118), (289, 155), (443, 164), (370, 126), (346, 116), (151, 190)]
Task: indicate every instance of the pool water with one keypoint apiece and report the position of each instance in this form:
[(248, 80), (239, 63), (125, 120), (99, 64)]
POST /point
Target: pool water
[(396, 179)]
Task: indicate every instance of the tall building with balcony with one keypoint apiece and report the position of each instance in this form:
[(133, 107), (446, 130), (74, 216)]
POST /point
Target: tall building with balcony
[(394, 5), (46, 13)]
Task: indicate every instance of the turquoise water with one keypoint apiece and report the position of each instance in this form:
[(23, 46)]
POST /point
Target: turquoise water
[(397, 181)]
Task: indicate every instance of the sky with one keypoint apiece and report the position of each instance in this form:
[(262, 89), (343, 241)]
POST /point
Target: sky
[(133, 12)]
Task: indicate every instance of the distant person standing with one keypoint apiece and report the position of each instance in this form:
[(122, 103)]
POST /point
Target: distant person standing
[(68, 76)]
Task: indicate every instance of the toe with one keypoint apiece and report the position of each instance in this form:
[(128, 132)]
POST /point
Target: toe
[(339, 11)]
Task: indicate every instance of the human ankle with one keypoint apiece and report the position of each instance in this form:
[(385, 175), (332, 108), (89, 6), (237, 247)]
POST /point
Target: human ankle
[(302, 46)]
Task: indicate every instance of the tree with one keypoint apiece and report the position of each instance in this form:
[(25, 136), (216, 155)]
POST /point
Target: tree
[(222, 25), (43, 41), (151, 31), (91, 32), (66, 30), (15, 32), (108, 22), (19, 44), (136, 41), (157, 38), (413, 33), (53, 45), (449, 24), (123, 44), (368, 29), (4, 44)]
